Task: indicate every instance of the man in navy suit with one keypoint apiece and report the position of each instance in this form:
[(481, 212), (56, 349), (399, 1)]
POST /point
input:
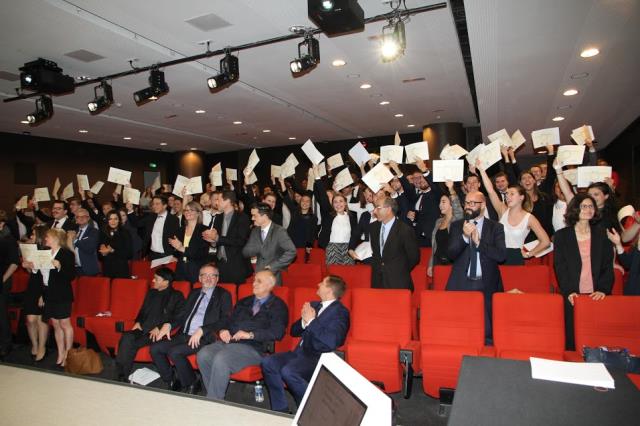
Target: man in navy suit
[(477, 246), (85, 244), (323, 327)]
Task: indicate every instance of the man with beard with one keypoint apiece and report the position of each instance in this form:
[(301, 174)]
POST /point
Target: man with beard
[(477, 246)]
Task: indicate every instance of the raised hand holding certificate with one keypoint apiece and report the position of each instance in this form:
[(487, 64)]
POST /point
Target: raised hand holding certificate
[(377, 177), (452, 152), (503, 137), (590, 174), (444, 170), (359, 154), (581, 134), (41, 194), (231, 174), (95, 189), (570, 155), (391, 153), (312, 152), (119, 176), (83, 183), (131, 195), (490, 155), (343, 179), (545, 137), (335, 161), (517, 139), (417, 151), (252, 163), (193, 185)]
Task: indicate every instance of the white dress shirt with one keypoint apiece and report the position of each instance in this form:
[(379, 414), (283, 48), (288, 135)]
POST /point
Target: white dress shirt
[(156, 233)]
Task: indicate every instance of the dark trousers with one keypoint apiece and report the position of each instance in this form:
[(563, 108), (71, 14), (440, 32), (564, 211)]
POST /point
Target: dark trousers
[(5, 325), (293, 368), (478, 285), (570, 340), (130, 343), (177, 350)]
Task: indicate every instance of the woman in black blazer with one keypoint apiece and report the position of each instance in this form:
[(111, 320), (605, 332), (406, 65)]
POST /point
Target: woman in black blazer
[(582, 240), (36, 328), (191, 249), (303, 225), (115, 248)]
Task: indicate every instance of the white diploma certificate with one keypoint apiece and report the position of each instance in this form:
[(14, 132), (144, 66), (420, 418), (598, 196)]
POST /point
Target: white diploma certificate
[(119, 176), (444, 170)]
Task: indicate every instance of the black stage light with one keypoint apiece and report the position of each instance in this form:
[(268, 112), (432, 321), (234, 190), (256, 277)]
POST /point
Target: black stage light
[(101, 101), (394, 41), (45, 76), (44, 111), (308, 60), (157, 87), (229, 72), (336, 17)]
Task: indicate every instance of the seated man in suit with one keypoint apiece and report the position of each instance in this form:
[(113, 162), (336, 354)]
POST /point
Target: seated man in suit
[(161, 305), (270, 242), (394, 247), (85, 243), (477, 246), (256, 320), (322, 327), (200, 319), (158, 227)]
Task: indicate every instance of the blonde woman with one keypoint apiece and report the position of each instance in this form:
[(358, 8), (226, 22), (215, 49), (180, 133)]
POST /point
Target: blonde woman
[(191, 249)]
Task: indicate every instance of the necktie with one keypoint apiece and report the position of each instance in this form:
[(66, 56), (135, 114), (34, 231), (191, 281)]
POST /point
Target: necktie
[(382, 240), (263, 234), (193, 313), (256, 307), (55, 224), (79, 235), (473, 267)]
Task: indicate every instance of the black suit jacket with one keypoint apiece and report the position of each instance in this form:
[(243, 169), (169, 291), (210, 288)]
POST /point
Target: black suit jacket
[(68, 225), (27, 221), (568, 263), (171, 228), (492, 250), (427, 212), (236, 268), (400, 255), (326, 332), (217, 313), (59, 287), (194, 256), (320, 193), (159, 307)]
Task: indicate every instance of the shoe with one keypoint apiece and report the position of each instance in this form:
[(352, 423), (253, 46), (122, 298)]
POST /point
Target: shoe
[(40, 359), (194, 388), (174, 385), (5, 350)]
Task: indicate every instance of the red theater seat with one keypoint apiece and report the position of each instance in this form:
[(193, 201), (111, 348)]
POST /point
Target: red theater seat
[(356, 276), (425, 255), (302, 275), (526, 325), (529, 279), (441, 276), (618, 282), (91, 295), (317, 256), (19, 281)]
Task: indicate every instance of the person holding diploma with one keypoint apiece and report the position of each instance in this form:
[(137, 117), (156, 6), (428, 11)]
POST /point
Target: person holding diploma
[(302, 227), (583, 258), (191, 249), (115, 248), (450, 211)]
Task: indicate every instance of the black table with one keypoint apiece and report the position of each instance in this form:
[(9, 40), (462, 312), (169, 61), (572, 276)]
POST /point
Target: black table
[(496, 392)]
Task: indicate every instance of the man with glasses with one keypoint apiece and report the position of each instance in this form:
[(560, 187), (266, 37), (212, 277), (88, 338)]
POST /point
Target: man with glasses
[(85, 243), (477, 246), (394, 247), (59, 218), (200, 320)]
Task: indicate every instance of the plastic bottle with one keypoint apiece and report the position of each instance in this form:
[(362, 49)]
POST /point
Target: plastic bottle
[(258, 393)]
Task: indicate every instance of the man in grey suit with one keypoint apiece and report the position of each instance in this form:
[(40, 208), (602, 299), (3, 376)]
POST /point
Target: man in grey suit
[(269, 242)]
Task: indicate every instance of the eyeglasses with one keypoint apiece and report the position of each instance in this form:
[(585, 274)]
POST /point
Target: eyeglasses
[(380, 207), (587, 207), (209, 275), (472, 203)]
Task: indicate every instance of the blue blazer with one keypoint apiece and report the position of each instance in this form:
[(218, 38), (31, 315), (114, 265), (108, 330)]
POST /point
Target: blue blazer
[(325, 333), (87, 248)]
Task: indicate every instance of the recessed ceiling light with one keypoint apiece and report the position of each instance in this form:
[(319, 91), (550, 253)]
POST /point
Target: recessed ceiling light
[(193, 149), (570, 92), (411, 125), (588, 53), (266, 131), (163, 144), (237, 122), (558, 118), (200, 111), (365, 86), (292, 138), (399, 115), (83, 131), (127, 138), (579, 75), (338, 63), (385, 103)]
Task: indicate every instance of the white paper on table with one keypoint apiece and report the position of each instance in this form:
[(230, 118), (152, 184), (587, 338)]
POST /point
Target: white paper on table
[(396, 139), (417, 151), (119, 176), (452, 152), (131, 195), (570, 155), (532, 244), (22, 203), (95, 189), (310, 179), (577, 373), (444, 170), (231, 174), (359, 154), (193, 185), (56, 188), (275, 171), (517, 139), (67, 192), (343, 179), (83, 183), (41, 194), (571, 175), (252, 178), (335, 161), (391, 153), (322, 169), (625, 212), (162, 261), (590, 174), (377, 176), (143, 376), (312, 152), (544, 137), (252, 163), (490, 155), (28, 251), (364, 251), (503, 137), (581, 134)]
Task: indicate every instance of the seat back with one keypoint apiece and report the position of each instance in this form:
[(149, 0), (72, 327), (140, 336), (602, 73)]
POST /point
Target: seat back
[(356, 276), (381, 315), (425, 255), (317, 256), (613, 321), (301, 295), (141, 268), (452, 318), (182, 286), (618, 282), (232, 289), (300, 255), (19, 281), (127, 296), (529, 279), (441, 276), (528, 322), (302, 275), (91, 295), (419, 278)]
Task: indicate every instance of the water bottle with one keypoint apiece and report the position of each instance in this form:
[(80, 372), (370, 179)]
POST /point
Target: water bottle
[(258, 393)]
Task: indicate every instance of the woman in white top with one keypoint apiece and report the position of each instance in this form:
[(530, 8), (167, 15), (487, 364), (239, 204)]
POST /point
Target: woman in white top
[(517, 221)]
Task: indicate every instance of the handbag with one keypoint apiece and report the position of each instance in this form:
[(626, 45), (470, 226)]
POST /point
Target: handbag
[(83, 361), (614, 358)]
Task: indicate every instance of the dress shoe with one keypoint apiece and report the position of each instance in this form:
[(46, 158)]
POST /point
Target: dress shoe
[(40, 359), (194, 388), (174, 385)]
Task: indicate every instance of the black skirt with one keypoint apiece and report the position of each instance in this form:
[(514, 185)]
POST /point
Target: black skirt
[(56, 310)]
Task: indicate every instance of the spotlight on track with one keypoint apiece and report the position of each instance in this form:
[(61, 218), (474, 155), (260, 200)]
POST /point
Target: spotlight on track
[(393, 41), (308, 56), (43, 112), (103, 98), (157, 88), (229, 73)]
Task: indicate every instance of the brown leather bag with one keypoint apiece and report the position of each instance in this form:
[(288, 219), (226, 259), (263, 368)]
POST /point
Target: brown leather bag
[(83, 361)]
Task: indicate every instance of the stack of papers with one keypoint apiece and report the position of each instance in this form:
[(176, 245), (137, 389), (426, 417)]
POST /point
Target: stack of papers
[(578, 373), (143, 376)]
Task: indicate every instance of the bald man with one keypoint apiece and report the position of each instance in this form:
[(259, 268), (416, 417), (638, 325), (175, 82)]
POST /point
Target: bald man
[(477, 246), (85, 244)]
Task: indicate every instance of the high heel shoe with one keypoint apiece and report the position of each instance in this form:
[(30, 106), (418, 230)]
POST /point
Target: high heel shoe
[(44, 355)]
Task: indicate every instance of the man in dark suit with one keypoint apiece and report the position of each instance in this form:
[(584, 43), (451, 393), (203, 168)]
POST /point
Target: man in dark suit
[(200, 319), (158, 227), (477, 246), (228, 234), (256, 321), (269, 242), (395, 251), (59, 218), (322, 327), (161, 305), (85, 244)]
